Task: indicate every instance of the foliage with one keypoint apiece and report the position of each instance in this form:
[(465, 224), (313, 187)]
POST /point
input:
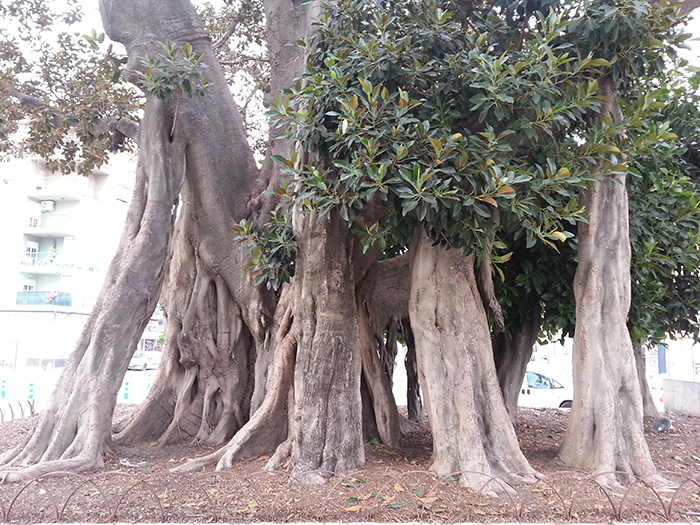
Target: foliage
[(665, 215), (62, 87), (176, 73), (412, 107), (272, 250), (446, 117), (71, 83), (173, 74), (662, 182)]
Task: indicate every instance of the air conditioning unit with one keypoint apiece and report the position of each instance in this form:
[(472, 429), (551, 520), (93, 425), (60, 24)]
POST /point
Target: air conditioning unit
[(47, 206)]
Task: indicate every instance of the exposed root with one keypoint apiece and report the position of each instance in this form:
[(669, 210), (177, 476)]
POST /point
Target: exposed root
[(281, 455), (260, 433), (74, 465)]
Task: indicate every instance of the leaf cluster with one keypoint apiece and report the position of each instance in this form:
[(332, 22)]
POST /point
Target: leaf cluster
[(67, 84), (444, 121), (175, 72), (272, 249)]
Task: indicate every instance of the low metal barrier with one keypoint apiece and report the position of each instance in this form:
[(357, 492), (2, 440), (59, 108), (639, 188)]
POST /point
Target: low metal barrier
[(380, 495)]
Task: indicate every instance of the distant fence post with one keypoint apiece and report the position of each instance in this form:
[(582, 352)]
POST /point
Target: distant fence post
[(31, 390), (126, 390)]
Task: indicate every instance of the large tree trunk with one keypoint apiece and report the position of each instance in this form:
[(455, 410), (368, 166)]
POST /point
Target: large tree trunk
[(471, 428), (215, 313), (512, 354), (326, 428), (605, 431), (73, 432)]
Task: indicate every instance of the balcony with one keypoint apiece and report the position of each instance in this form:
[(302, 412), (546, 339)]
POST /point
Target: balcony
[(44, 298), (52, 225), (46, 263)]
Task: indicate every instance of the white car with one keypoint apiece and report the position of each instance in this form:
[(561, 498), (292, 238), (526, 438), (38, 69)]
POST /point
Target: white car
[(541, 391), (145, 361)]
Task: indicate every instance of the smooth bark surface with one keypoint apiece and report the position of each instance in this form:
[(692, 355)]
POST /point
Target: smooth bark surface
[(74, 431), (605, 431), (650, 409), (472, 431)]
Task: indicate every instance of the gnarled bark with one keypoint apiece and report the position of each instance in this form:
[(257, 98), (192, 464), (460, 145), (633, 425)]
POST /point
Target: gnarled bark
[(471, 428), (605, 430), (326, 428), (73, 432)]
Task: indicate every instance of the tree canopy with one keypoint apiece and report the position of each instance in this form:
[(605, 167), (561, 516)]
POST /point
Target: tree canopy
[(412, 143)]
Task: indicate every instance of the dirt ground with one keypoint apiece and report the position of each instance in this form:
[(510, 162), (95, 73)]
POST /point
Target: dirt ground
[(394, 486)]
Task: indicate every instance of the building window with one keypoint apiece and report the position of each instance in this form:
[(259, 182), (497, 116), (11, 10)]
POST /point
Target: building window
[(27, 287), (33, 222)]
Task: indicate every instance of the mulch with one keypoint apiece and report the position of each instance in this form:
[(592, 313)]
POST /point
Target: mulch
[(394, 486)]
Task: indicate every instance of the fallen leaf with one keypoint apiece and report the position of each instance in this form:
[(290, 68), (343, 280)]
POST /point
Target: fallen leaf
[(398, 487), (263, 458), (355, 508)]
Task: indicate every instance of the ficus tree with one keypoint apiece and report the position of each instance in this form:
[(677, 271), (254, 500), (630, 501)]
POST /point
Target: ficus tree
[(447, 129)]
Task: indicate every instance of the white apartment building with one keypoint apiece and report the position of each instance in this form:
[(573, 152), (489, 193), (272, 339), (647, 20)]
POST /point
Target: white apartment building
[(58, 234)]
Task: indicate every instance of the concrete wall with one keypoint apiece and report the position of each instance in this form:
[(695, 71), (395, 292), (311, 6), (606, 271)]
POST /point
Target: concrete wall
[(682, 397)]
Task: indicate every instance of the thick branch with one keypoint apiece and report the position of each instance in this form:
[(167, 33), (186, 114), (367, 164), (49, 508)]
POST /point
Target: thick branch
[(126, 127), (228, 34)]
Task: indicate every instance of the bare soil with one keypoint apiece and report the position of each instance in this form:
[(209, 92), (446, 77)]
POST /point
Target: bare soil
[(394, 486)]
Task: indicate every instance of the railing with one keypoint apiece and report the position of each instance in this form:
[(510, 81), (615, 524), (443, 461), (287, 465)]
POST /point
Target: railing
[(44, 298), (53, 261), (50, 259)]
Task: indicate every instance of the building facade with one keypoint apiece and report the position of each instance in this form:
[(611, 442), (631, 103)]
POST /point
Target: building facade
[(58, 233)]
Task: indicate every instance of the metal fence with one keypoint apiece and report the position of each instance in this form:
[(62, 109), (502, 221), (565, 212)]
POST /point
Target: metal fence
[(381, 495)]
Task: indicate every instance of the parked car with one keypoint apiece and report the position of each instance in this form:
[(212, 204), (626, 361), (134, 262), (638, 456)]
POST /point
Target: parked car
[(541, 391), (145, 361)]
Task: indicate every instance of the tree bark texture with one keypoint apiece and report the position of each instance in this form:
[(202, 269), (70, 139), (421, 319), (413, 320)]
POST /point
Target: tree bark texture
[(327, 423), (73, 432), (605, 430), (472, 431), (413, 397), (215, 316)]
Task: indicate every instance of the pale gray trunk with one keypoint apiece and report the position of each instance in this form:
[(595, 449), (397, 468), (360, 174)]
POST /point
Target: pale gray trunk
[(73, 431), (326, 428), (413, 398), (512, 354), (215, 315), (605, 431), (650, 409), (472, 431)]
